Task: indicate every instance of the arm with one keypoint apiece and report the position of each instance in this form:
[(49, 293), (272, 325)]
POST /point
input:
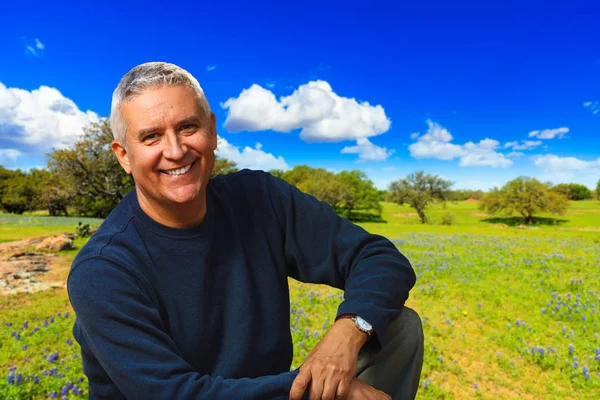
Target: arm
[(321, 247), (124, 331)]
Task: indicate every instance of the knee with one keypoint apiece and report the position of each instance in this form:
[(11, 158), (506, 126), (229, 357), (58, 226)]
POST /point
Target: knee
[(407, 328)]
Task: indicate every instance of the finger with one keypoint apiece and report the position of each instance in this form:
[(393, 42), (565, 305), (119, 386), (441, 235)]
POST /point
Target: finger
[(316, 388), (342, 390), (300, 384)]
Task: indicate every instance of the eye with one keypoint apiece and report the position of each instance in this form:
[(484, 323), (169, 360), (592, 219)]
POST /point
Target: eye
[(150, 137), (188, 127)]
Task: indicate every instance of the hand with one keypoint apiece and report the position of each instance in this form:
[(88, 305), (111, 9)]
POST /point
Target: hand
[(362, 391), (331, 365)]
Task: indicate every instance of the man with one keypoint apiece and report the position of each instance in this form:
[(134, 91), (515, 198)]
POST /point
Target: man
[(182, 293)]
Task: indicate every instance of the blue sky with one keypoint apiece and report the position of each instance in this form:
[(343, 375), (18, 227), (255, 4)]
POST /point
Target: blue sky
[(479, 94)]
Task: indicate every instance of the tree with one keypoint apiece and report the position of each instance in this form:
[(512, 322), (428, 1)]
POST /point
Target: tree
[(419, 190), (346, 192), (91, 169), (51, 192), (598, 190), (222, 167), (525, 196), (18, 194), (573, 191), (357, 193)]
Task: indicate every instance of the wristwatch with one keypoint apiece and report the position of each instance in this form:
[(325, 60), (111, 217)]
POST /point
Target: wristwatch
[(360, 323)]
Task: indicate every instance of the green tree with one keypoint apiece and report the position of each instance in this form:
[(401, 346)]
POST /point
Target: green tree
[(222, 167), (91, 169), (51, 192), (357, 193), (419, 190), (18, 193), (598, 190), (573, 191), (525, 196)]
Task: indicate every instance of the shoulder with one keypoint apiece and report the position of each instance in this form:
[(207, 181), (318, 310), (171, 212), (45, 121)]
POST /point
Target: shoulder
[(115, 244)]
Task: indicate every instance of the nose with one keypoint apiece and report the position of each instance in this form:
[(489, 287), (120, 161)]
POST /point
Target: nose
[(174, 149)]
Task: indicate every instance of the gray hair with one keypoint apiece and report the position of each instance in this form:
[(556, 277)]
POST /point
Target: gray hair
[(145, 76)]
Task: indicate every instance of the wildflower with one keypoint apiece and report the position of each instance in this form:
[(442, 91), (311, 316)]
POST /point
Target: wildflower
[(19, 379), (571, 349), (24, 347), (25, 324), (475, 386), (64, 391), (66, 314), (11, 378), (36, 380)]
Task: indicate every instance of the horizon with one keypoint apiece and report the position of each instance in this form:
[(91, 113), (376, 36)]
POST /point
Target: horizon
[(476, 94)]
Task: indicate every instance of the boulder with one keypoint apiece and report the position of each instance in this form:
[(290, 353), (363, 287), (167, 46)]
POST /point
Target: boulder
[(56, 243)]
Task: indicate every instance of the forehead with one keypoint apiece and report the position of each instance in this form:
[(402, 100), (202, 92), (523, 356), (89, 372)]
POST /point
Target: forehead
[(159, 105)]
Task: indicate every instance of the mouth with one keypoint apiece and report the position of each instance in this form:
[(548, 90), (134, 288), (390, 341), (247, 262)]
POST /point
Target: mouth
[(178, 171)]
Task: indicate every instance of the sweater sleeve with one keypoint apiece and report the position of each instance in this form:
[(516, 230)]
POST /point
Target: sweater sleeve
[(122, 328), (321, 247)]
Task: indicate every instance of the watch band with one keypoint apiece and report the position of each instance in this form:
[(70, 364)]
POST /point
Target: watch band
[(352, 316)]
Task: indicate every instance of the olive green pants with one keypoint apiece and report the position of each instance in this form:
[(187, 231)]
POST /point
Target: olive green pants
[(396, 368)]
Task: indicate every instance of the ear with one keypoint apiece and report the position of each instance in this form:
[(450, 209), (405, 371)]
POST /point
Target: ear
[(122, 155)]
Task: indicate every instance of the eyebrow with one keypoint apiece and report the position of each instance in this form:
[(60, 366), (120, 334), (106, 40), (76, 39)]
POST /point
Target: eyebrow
[(188, 120)]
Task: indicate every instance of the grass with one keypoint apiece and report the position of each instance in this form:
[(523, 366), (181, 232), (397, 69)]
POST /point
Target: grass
[(507, 312)]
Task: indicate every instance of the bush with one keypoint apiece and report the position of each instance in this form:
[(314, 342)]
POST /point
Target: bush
[(448, 219), (82, 230)]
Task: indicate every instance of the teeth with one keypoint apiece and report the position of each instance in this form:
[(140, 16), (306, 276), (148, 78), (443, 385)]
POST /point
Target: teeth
[(179, 171)]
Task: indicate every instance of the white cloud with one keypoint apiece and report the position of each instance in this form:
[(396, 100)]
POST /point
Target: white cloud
[(9, 154), (251, 158), (390, 168), (568, 169), (550, 133), (43, 117), (35, 48), (314, 108), (435, 143), (594, 106), (211, 67), (550, 162), (525, 144), (515, 154), (367, 151)]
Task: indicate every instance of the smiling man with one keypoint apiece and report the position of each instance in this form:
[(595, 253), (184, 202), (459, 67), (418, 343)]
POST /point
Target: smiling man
[(182, 293)]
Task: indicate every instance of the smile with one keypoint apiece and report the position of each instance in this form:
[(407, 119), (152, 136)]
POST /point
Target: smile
[(179, 171)]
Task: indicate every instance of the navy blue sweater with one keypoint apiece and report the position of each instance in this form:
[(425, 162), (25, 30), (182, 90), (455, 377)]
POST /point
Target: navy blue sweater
[(204, 312)]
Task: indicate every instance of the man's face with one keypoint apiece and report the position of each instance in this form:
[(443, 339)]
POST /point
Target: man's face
[(170, 147)]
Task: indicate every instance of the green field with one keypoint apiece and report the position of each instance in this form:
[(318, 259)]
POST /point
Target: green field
[(508, 312)]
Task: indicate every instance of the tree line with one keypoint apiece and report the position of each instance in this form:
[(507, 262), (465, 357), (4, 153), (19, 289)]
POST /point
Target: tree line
[(87, 180)]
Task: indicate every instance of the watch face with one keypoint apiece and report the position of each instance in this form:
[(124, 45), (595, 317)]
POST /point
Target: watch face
[(363, 325)]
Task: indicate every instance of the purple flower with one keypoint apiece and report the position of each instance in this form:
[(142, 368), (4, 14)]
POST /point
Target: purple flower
[(19, 379), (475, 386), (571, 349), (25, 324), (53, 395), (67, 314), (69, 342), (64, 391), (11, 378), (36, 380)]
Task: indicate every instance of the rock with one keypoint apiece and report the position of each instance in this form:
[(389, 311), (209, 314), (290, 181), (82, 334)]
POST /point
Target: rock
[(56, 243), (22, 275)]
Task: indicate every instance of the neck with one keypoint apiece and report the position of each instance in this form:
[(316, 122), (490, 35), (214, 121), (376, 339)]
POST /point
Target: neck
[(175, 215)]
